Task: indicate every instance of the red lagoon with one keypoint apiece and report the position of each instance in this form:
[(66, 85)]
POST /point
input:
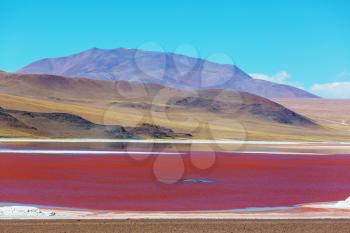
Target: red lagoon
[(120, 182)]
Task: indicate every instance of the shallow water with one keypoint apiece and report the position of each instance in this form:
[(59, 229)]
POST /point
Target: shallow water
[(124, 182)]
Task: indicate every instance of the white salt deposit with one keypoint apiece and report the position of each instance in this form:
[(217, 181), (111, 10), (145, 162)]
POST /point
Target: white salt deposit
[(331, 205), (24, 211), (343, 204)]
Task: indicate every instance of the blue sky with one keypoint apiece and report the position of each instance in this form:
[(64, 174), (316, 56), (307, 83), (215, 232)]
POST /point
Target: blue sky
[(303, 43)]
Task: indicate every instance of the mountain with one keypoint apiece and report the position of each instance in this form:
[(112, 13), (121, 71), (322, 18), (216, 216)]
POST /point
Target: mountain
[(82, 91), (167, 69), (40, 105)]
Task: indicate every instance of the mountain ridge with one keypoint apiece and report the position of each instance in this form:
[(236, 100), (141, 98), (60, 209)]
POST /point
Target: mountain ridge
[(85, 91), (167, 69), (160, 111)]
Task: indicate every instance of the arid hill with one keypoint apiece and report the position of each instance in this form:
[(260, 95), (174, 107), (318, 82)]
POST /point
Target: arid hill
[(161, 111)]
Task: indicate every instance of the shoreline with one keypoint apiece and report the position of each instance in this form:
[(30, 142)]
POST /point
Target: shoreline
[(326, 210)]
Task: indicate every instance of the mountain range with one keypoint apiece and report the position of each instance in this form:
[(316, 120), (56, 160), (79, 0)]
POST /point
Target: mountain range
[(130, 93), (167, 69), (41, 105)]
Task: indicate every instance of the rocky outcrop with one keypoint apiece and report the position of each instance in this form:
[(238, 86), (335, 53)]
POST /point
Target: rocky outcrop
[(155, 131)]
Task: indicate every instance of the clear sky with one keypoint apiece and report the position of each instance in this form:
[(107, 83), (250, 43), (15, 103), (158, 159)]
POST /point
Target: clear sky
[(304, 43)]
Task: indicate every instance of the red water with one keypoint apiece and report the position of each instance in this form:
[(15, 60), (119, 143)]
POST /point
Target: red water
[(122, 183)]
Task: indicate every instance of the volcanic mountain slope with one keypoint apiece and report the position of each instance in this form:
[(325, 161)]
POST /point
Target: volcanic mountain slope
[(167, 69), (150, 110)]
